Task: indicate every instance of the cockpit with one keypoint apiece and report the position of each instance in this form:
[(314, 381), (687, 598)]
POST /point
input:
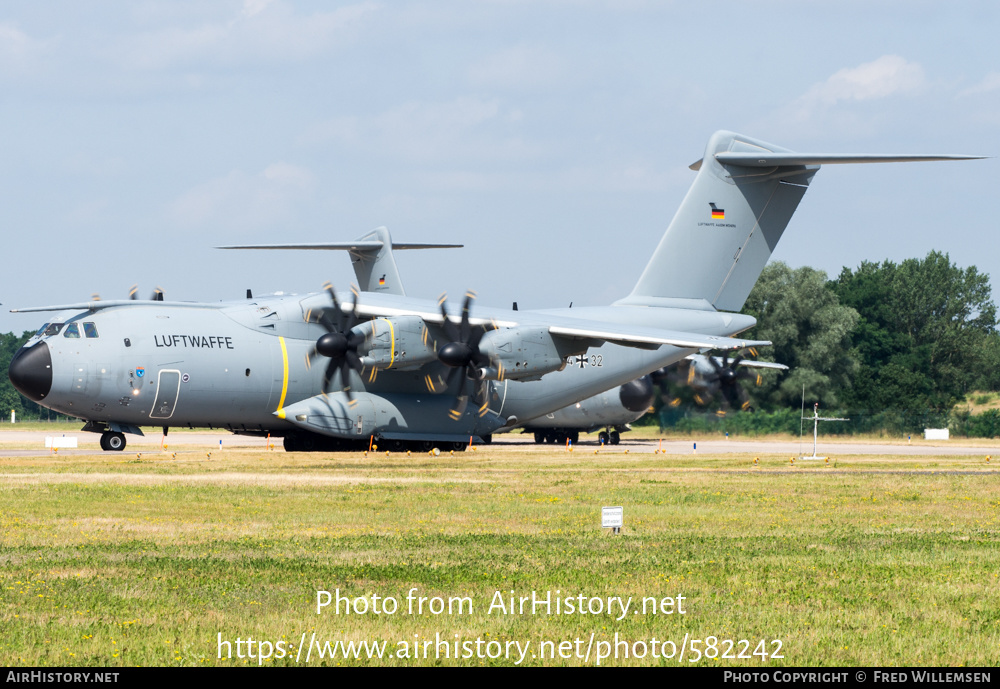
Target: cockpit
[(70, 330)]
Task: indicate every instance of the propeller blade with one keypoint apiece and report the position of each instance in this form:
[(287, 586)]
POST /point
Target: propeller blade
[(482, 398), (462, 355), (328, 375), (340, 343)]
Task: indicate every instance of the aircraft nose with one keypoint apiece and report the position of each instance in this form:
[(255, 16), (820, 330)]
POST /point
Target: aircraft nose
[(31, 371)]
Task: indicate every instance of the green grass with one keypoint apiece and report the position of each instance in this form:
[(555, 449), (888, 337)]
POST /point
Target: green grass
[(109, 561)]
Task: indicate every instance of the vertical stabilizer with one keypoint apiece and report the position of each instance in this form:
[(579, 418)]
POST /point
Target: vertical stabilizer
[(375, 268), (725, 229)]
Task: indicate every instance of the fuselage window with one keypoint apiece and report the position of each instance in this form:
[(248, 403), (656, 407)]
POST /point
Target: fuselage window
[(72, 330), (53, 328), (90, 330)]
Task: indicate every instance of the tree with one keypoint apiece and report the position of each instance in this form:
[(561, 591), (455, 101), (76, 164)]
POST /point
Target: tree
[(925, 331), (811, 332), (11, 399)]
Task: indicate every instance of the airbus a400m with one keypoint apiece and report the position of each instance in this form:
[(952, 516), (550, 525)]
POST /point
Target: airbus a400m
[(322, 373)]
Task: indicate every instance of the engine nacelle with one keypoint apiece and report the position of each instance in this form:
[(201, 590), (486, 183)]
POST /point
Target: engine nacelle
[(523, 353), (637, 395), (399, 343)]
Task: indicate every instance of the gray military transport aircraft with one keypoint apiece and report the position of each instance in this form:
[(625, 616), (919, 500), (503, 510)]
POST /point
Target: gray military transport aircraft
[(611, 412), (323, 374)]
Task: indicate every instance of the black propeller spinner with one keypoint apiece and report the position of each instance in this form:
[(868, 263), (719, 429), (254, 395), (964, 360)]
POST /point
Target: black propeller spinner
[(462, 355), (339, 344)]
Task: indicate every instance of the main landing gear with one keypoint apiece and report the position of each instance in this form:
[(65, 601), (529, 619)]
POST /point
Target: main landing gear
[(112, 441), (612, 438), (557, 437), (312, 442)]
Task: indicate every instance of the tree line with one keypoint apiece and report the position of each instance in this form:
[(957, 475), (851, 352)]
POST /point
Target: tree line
[(894, 345)]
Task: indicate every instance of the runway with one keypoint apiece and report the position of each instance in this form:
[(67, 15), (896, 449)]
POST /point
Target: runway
[(33, 444)]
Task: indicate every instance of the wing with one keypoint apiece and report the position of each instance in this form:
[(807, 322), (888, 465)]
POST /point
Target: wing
[(112, 303), (652, 338)]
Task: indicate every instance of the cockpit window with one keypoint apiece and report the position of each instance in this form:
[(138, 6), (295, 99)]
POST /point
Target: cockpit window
[(72, 330), (90, 329), (41, 331), (53, 329)]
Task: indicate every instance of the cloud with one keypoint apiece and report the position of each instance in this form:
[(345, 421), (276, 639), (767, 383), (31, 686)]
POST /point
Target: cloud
[(262, 29), (852, 102), (18, 51), (518, 67), (465, 128), (889, 75), (991, 82), (241, 200)]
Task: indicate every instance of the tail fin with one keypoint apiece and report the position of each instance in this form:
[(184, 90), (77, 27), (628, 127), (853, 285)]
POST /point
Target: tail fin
[(375, 268), (731, 219)]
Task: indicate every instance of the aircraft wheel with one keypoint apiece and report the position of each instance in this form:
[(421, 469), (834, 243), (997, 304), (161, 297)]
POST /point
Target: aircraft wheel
[(397, 445), (290, 443), (539, 437), (307, 443), (603, 438), (615, 438), (574, 437), (111, 441), (488, 438), (457, 446)]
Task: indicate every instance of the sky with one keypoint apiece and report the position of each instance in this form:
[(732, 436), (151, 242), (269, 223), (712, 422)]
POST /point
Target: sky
[(550, 137)]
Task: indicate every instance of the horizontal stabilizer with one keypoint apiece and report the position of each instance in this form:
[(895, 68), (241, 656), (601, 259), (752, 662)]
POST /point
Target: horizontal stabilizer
[(769, 159), (371, 255), (345, 246)]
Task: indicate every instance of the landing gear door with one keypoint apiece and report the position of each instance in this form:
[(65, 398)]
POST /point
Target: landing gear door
[(168, 387)]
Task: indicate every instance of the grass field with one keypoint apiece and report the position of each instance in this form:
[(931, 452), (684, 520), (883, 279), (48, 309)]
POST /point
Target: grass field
[(875, 560)]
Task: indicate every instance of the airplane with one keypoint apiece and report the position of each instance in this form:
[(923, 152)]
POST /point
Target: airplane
[(401, 371), (614, 410)]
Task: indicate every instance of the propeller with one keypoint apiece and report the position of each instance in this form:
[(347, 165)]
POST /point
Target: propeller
[(134, 289), (132, 294), (339, 344), (704, 385), (727, 376), (462, 355), (667, 379)]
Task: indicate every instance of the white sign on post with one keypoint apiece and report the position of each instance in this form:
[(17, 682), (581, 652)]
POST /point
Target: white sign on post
[(612, 518)]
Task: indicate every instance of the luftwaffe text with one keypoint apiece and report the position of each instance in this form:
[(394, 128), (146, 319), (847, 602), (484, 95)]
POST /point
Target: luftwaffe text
[(196, 341)]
